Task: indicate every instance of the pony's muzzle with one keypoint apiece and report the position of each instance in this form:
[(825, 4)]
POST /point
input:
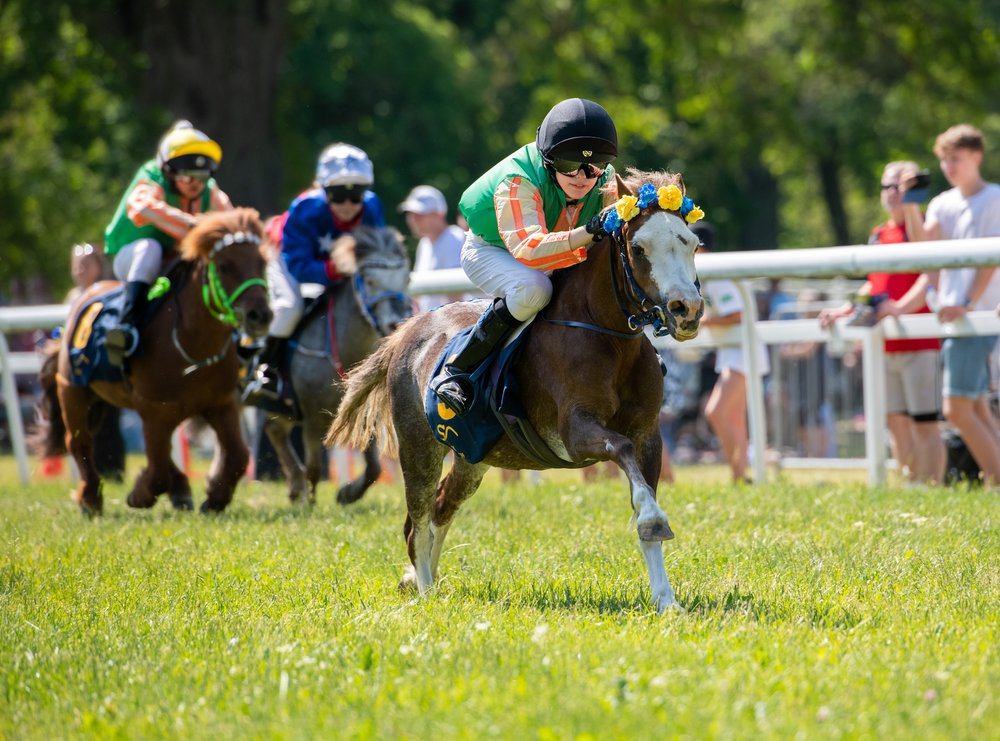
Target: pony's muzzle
[(255, 320), (686, 311)]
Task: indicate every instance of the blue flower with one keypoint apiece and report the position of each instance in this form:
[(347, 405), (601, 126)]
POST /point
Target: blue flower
[(612, 221), (647, 194), (686, 205)]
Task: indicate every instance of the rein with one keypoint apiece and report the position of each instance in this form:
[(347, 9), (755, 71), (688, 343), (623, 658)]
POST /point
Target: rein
[(639, 309)]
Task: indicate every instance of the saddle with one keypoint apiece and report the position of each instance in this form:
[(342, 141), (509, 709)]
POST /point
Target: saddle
[(85, 331), (495, 409), (85, 334)]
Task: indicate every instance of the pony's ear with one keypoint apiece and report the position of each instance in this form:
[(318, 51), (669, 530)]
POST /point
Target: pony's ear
[(623, 189), (680, 183)]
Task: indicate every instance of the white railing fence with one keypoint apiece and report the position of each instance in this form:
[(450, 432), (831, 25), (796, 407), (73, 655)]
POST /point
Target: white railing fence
[(826, 262)]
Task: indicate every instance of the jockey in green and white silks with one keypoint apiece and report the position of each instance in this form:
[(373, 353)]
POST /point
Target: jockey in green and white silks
[(536, 211), (158, 209)]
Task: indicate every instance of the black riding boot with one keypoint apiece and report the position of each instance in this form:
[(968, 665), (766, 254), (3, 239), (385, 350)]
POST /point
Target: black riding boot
[(269, 387), (122, 340), (452, 384)]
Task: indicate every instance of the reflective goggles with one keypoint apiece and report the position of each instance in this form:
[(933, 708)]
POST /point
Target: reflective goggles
[(202, 175), (341, 194), (571, 168)]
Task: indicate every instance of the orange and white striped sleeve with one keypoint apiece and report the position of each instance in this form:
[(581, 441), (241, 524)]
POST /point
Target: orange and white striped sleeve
[(521, 223), (146, 205), (218, 200)]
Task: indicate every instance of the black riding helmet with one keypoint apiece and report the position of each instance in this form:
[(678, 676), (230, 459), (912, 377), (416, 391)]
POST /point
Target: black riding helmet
[(579, 130)]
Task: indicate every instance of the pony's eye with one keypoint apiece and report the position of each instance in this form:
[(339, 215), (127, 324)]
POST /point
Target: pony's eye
[(225, 269)]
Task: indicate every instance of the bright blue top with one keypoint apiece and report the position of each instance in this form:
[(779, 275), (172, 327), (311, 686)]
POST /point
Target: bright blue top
[(310, 231)]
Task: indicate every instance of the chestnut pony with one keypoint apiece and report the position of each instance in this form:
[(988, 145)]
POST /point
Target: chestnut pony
[(589, 379), (186, 365)]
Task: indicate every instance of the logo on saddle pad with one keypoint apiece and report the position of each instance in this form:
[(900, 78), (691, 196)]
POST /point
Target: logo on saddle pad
[(474, 434), (587, 152)]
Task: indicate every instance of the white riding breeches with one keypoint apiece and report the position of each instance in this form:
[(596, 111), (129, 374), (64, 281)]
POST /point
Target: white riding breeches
[(285, 298), (139, 261), (526, 291)]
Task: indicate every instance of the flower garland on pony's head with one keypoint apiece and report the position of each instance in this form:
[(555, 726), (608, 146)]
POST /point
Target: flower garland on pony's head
[(669, 198)]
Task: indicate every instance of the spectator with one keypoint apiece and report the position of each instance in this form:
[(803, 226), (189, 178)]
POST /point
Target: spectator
[(912, 379), (440, 245), (806, 366), (726, 409), (971, 208)]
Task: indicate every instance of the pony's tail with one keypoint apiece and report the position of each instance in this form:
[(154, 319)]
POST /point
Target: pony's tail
[(48, 434), (364, 413)]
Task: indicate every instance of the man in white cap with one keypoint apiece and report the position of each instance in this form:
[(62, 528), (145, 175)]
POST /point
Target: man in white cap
[(440, 245)]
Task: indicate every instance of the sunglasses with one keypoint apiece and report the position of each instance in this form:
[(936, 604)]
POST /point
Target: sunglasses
[(570, 167), (81, 250), (191, 175), (340, 194)]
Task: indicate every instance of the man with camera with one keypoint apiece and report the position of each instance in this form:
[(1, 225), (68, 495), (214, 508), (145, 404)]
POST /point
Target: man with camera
[(912, 380), (970, 209)]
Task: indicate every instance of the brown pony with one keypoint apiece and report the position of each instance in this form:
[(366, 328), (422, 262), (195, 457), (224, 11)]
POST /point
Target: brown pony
[(589, 378), (186, 365)]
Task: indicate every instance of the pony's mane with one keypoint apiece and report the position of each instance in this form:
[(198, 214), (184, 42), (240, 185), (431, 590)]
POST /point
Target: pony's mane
[(659, 178), (215, 225), (356, 247)]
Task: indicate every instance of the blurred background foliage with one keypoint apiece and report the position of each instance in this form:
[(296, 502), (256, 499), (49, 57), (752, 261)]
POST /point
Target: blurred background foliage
[(779, 113)]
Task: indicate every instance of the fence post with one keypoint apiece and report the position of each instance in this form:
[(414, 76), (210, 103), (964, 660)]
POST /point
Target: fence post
[(14, 421), (873, 367), (754, 381)]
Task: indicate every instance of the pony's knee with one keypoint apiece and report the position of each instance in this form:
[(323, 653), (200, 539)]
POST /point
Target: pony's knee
[(527, 299)]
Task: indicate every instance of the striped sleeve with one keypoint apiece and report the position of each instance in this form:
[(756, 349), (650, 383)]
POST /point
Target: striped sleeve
[(218, 200), (147, 206), (521, 223)]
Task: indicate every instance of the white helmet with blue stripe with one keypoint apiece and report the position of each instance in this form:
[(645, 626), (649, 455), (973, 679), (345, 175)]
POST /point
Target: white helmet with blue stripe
[(344, 164)]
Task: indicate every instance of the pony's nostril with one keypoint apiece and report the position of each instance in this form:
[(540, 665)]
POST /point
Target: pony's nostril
[(678, 308)]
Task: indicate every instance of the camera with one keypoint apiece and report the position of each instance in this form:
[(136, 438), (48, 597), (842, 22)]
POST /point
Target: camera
[(921, 180), (918, 188)]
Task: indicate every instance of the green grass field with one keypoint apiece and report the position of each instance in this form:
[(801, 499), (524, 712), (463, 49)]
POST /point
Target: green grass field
[(814, 610)]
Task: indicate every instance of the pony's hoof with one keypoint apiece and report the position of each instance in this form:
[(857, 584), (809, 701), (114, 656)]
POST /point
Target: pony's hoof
[(89, 510), (672, 608), (408, 584), (208, 507), (656, 530), (182, 502), (139, 503), (350, 493)]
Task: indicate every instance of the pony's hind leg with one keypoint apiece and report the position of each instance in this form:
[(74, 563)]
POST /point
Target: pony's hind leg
[(232, 456), (75, 402), (421, 473)]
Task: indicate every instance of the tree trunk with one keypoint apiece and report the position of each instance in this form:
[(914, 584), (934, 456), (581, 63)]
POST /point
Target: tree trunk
[(833, 197), (217, 63)]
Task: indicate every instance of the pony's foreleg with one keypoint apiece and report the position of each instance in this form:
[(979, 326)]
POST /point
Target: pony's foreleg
[(233, 456), (156, 478), (75, 403), (586, 438), (353, 490), (278, 431)]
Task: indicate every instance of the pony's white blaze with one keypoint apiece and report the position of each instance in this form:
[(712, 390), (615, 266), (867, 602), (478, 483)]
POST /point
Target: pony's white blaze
[(669, 246)]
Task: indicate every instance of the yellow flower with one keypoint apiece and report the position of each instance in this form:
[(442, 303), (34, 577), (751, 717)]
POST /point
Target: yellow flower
[(694, 214), (626, 207), (670, 198)]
